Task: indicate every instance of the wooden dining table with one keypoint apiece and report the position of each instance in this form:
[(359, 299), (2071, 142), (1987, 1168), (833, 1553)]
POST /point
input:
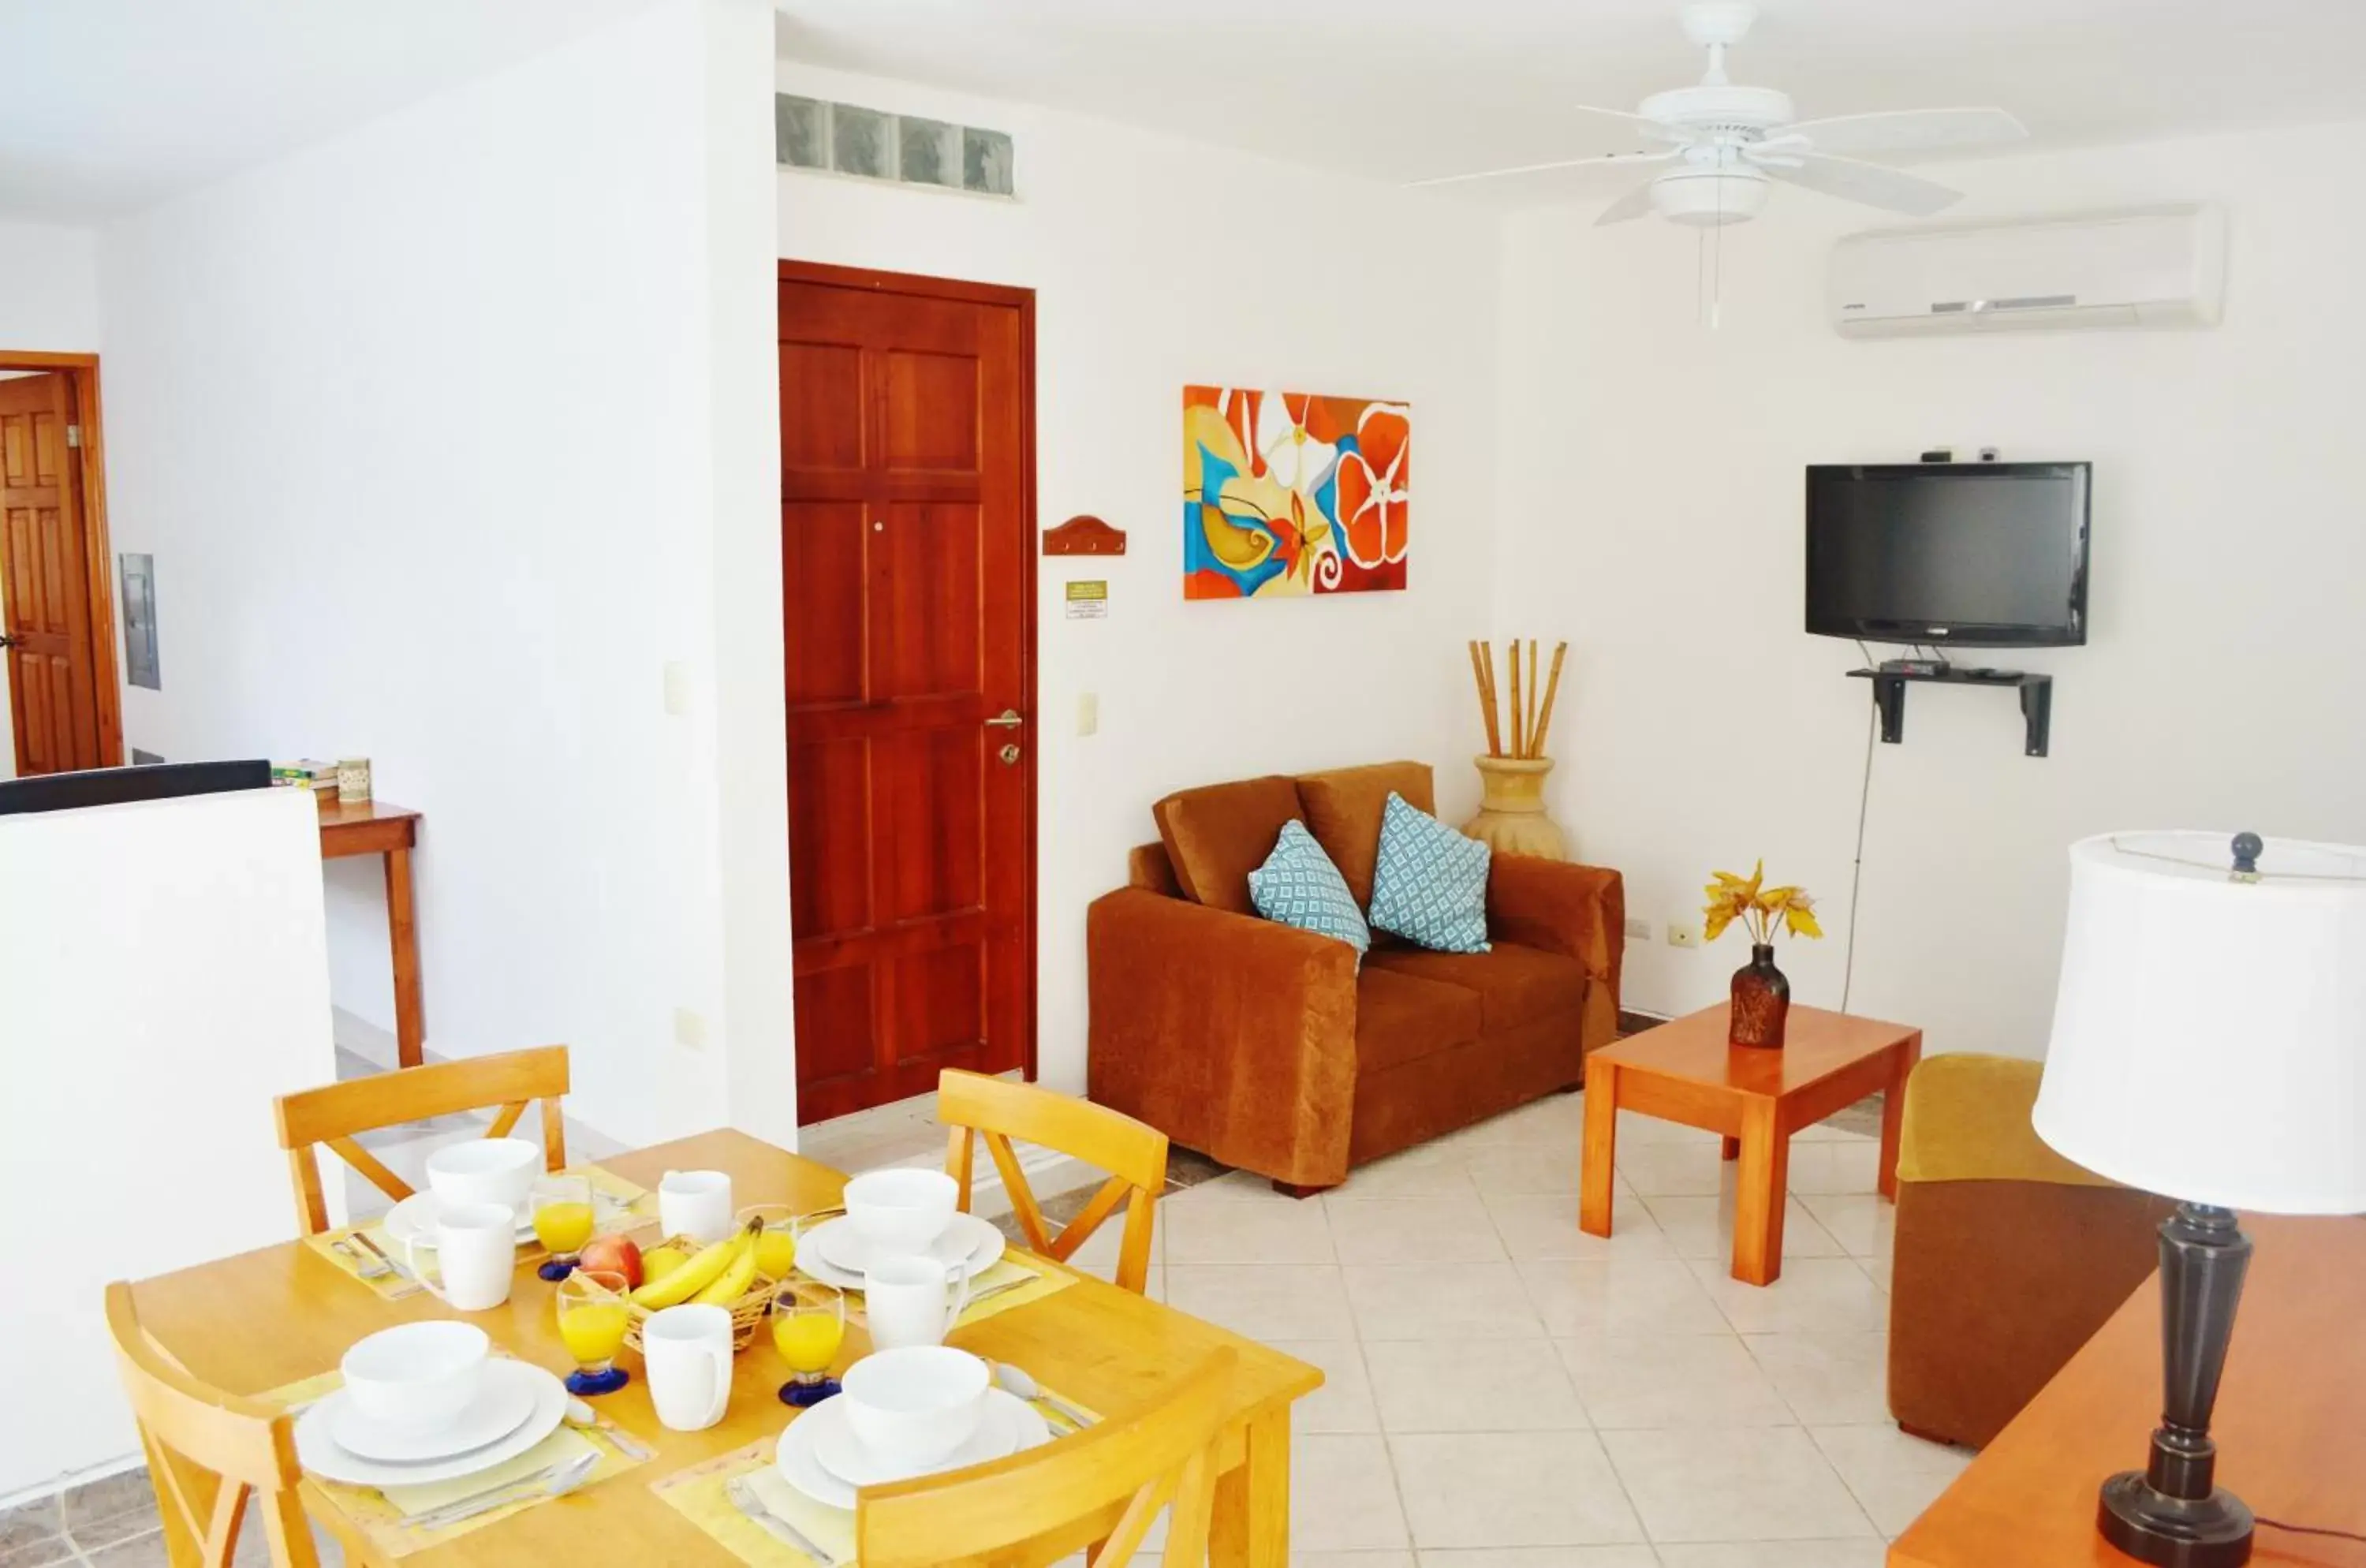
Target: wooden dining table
[(268, 1318)]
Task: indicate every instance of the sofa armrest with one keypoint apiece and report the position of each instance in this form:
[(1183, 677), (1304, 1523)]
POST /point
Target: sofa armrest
[(1576, 911), (1231, 1034), (1967, 1119)]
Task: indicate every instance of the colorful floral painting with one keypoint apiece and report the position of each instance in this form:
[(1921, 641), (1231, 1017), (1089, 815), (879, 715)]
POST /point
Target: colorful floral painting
[(1286, 493)]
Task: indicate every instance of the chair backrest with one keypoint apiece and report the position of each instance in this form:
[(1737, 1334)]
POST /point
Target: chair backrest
[(208, 1452), (334, 1114), (1043, 1505), (1134, 1153)]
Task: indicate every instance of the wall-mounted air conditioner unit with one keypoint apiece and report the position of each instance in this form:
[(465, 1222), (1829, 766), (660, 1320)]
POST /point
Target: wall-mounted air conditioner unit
[(2146, 266)]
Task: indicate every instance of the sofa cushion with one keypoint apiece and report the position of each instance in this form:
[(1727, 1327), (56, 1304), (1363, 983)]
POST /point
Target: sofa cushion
[(1430, 882), (1298, 886), (1515, 985), (1217, 834), (1343, 808), (1401, 1018)]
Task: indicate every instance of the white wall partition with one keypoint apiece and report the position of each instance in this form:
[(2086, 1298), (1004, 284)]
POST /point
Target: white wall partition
[(164, 974)]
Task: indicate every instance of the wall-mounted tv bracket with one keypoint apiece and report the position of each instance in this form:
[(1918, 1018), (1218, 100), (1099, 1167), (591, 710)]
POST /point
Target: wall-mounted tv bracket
[(1889, 696)]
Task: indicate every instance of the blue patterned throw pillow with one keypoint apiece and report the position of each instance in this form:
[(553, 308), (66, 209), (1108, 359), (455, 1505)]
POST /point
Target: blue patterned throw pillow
[(1298, 886), (1430, 885)]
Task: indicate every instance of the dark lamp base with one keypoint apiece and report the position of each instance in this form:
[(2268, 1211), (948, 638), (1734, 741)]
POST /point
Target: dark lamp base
[(2175, 1532)]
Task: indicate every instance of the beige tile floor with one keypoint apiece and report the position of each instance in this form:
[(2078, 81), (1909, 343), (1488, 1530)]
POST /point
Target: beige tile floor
[(1505, 1391)]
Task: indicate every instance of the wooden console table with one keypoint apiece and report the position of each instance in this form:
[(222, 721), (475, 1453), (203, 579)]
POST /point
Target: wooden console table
[(2290, 1423), (376, 828)]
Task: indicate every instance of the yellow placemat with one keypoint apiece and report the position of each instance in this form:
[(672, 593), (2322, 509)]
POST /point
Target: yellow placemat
[(381, 1513), (621, 1205), (701, 1495)]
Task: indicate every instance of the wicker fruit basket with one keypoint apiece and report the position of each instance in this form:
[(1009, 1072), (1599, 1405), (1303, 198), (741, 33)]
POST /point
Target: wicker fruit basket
[(747, 1314)]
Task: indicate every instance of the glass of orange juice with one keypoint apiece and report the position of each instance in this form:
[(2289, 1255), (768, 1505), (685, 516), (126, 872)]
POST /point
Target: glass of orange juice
[(808, 1326), (562, 1221), (776, 1244), (593, 1313)]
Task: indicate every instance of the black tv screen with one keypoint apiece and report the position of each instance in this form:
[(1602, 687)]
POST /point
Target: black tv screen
[(1982, 555)]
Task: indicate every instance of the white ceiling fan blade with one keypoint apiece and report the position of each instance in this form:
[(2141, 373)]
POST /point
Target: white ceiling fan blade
[(1540, 168), (1649, 130), (1869, 183), (1910, 130), (1634, 204)]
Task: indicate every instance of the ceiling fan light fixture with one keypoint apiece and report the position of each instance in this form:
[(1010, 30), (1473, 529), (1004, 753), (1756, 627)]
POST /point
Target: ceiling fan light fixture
[(1709, 197)]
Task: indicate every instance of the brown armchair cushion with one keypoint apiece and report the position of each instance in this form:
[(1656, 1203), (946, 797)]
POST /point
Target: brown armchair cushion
[(1516, 985), (1401, 1018), (1217, 834), (1343, 811)]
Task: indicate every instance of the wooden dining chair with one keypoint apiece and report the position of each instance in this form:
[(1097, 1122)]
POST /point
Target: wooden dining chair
[(1038, 1507), (975, 1105), (334, 1114), (208, 1452)]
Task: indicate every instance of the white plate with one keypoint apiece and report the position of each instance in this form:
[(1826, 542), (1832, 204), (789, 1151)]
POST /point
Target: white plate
[(319, 1452), (833, 1254), (415, 1215), (1008, 1426), (500, 1407)]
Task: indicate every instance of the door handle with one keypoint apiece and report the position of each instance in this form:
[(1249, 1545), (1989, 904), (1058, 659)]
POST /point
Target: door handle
[(1006, 719), (8, 641)]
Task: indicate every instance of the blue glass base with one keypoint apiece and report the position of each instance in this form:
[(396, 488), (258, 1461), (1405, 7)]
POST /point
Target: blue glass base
[(591, 1385), (805, 1395), (556, 1269)]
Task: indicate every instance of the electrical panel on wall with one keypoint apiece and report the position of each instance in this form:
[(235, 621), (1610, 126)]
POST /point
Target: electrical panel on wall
[(899, 149)]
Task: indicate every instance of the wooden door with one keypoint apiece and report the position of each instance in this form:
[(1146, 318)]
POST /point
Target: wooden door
[(906, 428), (44, 580)]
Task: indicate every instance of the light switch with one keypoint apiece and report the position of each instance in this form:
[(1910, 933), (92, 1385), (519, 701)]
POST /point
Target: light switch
[(689, 1030), (1089, 712), (677, 686)]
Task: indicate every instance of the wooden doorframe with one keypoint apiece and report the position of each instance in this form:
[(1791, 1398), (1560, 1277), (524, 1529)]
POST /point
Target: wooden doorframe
[(81, 371), (1023, 300)]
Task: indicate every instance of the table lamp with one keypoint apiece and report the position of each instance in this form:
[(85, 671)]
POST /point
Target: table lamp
[(2209, 1045)]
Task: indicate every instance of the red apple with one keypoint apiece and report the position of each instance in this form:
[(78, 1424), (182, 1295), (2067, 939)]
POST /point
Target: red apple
[(612, 1255)]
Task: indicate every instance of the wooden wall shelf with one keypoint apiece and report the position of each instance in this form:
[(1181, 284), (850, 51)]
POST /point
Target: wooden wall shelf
[(1084, 535)]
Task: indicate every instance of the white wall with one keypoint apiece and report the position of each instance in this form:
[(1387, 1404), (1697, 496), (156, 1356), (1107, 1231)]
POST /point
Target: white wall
[(146, 1034), (418, 424), (1652, 485), (1156, 263), (48, 304)]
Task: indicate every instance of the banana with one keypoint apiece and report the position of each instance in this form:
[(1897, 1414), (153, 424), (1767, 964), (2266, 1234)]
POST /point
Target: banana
[(733, 1283), (687, 1280)]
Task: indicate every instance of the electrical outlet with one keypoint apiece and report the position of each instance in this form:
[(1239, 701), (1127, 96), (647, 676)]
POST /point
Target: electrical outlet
[(1683, 933), (1639, 929), (1089, 712), (677, 687), (689, 1030)]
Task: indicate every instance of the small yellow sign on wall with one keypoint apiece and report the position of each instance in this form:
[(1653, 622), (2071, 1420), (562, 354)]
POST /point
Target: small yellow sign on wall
[(1089, 600)]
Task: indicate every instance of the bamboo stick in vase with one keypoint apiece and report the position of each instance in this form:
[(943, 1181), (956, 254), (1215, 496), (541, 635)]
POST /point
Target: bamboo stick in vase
[(1534, 692), (1553, 691), (1519, 716), (1486, 700)]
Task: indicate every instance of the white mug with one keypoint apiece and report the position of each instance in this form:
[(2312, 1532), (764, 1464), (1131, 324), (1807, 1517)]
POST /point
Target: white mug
[(695, 1203), (476, 1252), (911, 1301), (686, 1351)]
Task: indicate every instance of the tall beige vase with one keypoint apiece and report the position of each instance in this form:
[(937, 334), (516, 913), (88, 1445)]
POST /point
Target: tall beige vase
[(1512, 819)]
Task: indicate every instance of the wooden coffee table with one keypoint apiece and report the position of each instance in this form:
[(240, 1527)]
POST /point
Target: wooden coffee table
[(1683, 1071)]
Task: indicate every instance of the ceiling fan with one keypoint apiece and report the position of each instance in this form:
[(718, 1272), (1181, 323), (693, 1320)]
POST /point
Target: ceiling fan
[(1725, 141)]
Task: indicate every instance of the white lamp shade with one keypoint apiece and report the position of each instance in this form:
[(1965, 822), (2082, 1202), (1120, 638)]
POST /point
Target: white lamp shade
[(2210, 1033)]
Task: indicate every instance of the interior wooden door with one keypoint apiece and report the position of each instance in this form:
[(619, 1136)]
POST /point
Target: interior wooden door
[(44, 565), (906, 428)]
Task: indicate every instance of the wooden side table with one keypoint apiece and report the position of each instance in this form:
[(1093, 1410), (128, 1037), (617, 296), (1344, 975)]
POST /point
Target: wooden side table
[(376, 828), (1683, 1071)]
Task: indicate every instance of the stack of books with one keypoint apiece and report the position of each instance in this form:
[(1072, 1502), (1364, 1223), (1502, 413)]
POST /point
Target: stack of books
[(309, 773)]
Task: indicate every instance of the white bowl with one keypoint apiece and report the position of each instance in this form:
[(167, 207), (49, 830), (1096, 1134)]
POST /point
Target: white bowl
[(485, 1171), (900, 1210), (418, 1377), (914, 1406)]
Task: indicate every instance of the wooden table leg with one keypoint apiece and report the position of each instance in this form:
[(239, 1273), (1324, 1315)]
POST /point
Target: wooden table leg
[(1893, 1111), (1763, 1194), (402, 927), (1601, 1151), (1251, 1526)]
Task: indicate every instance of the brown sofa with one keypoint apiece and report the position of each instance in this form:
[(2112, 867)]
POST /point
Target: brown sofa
[(2007, 1256), (1263, 1045)]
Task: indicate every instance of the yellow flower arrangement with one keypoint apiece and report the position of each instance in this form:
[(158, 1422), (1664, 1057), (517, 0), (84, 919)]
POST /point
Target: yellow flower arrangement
[(1761, 909)]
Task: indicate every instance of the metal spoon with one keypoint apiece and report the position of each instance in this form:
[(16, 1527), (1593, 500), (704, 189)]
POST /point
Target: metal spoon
[(1015, 1382), (556, 1482)]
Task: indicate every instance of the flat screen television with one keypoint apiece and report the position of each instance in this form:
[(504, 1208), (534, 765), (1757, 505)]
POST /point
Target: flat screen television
[(1978, 555)]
